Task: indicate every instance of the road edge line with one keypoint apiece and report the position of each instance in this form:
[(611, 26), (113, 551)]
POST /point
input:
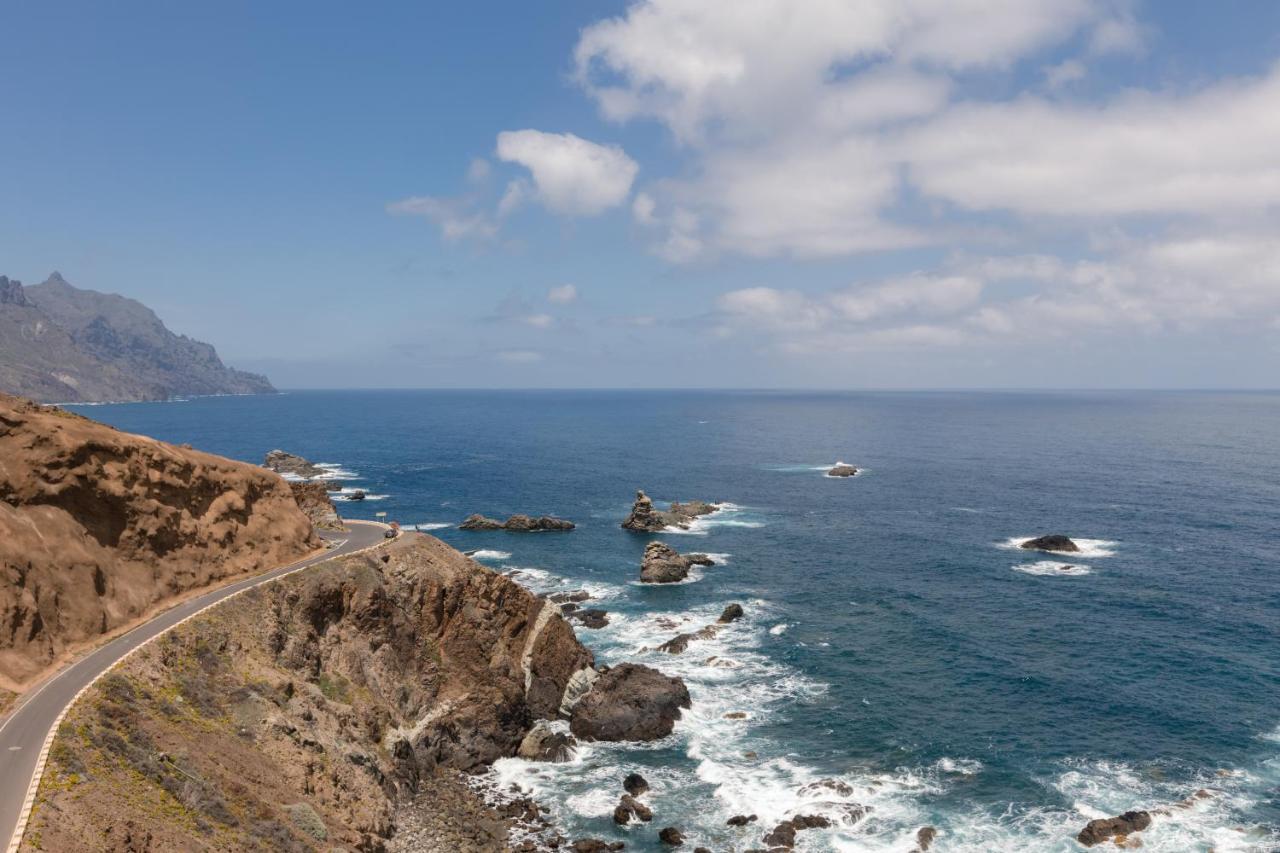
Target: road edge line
[(37, 775)]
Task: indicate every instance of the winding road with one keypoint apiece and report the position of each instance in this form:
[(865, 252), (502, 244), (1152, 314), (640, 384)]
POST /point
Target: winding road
[(23, 734)]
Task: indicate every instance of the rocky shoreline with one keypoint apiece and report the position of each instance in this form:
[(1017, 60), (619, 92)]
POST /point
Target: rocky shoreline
[(644, 518)]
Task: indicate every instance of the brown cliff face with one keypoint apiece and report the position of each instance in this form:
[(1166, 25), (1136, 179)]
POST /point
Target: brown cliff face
[(301, 716), (97, 527), (314, 500)]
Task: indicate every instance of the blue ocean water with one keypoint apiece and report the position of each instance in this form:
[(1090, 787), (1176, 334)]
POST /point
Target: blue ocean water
[(893, 640)]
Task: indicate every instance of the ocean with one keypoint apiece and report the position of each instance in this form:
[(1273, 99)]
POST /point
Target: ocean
[(893, 640)]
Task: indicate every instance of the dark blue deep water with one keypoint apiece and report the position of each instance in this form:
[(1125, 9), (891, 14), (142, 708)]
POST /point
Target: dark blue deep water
[(892, 640)]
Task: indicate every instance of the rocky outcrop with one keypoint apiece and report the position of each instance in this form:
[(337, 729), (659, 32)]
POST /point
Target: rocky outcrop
[(630, 808), (842, 469), (645, 519), (1053, 542), (517, 523), (671, 836), (663, 564), (589, 617), (543, 743), (630, 702), (1098, 831), (62, 344), (784, 834), (292, 465), (677, 644), (635, 784), (348, 687), (98, 527), (313, 499), (924, 838)]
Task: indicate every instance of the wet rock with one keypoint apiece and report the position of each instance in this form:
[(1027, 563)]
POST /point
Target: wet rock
[(1098, 831), (595, 845), (628, 808), (736, 715), (671, 836), (677, 644), (518, 523), (630, 702), (842, 469), (732, 613), (591, 617), (577, 595), (827, 786), (741, 820), (784, 834), (635, 784), (924, 838), (543, 743), (1053, 542)]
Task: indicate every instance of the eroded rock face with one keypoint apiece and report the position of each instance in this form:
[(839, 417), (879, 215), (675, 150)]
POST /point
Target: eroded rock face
[(1098, 831), (98, 526), (291, 464), (630, 702), (663, 564), (517, 523), (313, 499), (645, 519), (1053, 542)]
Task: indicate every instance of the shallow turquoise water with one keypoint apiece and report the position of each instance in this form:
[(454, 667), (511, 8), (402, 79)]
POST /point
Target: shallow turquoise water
[(891, 641)]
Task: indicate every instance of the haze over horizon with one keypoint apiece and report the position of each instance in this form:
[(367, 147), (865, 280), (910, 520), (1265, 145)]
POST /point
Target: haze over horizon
[(871, 194)]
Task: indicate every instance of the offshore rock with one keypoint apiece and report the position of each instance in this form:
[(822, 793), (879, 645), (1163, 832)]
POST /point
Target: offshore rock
[(292, 464), (518, 523), (645, 519), (1053, 542), (663, 564), (630, 702)]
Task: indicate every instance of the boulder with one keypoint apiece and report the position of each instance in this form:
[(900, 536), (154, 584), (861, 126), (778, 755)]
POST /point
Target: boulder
[(635, 784), (732, 613), (671, 837), (1052, 542), (1098, 831), (518, 523), (924, 838), (663, 564), (630, 702), (543, 743), (741, 820), (629, 807), (842, 469), (590, 617)]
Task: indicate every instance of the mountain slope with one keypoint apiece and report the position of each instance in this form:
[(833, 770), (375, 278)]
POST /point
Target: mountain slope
[(61, 343)]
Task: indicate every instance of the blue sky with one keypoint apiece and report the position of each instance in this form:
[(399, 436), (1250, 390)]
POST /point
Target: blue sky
[(982, 193)]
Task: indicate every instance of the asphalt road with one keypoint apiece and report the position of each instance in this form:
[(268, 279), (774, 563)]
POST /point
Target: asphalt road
[(23, 734)]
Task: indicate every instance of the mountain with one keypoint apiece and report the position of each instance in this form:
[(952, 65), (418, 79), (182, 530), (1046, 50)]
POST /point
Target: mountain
[(61, 343)]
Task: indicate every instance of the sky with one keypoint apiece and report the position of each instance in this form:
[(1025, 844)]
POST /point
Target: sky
[(800, 194)]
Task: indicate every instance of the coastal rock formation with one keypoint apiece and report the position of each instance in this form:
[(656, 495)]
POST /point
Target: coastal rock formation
[(677, 644), (731, 613), (842, 469), (292, 465), (349, 687), (630, 702), (671, 836), (663, 564), (590, 617), (313, 500), (629, 807), (517, 523), (645, 519), (1098, 831), (62, 344), (635, 784), (784, 834), (924, 838), (1052, 542), (98, 527)]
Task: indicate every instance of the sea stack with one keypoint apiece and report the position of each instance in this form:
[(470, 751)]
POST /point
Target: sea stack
[(645, 519), (1053, 542), (663, 564)]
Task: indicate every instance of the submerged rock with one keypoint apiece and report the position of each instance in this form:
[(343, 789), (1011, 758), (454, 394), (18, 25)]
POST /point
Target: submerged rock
[(1052, 542), (1098, 831), (518, 523), (842, 469), (630, 702), (645, 519)]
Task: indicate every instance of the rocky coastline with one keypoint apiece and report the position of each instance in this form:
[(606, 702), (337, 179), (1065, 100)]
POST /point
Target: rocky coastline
[(644, 518)]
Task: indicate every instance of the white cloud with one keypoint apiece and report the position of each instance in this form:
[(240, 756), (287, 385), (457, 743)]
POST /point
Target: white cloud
[(456, 217), (642, 209), (571, 175), (538, 321), (1215, 151), (1067, 71), (562, 295)]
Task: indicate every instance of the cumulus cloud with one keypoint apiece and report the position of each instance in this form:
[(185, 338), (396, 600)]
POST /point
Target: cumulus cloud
[(571, 175), (562, 295)]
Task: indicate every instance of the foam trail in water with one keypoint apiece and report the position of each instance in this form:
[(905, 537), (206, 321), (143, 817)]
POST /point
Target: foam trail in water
[(486, 554), (1051, 568)]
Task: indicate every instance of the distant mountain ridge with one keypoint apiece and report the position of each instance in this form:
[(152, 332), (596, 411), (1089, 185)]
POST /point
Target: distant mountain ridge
[(59, 343)]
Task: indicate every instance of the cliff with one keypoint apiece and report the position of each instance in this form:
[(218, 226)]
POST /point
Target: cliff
[(300, 717), (98, 527), (61, 343)]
